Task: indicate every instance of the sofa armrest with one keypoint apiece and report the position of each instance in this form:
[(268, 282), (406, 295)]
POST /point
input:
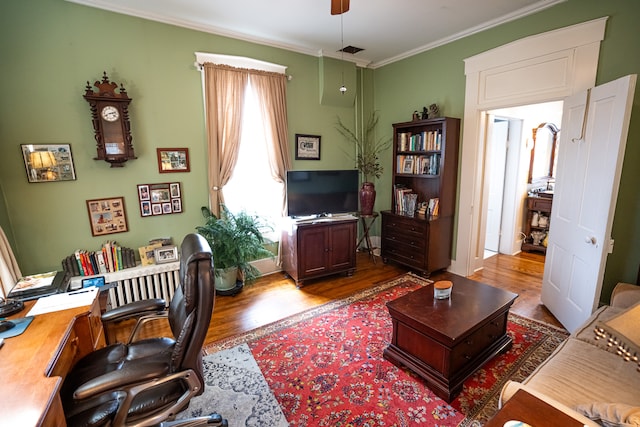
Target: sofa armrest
[(625, 295), (511, 387)]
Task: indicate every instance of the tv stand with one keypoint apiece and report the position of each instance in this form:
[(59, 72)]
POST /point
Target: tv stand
[(318, 247)]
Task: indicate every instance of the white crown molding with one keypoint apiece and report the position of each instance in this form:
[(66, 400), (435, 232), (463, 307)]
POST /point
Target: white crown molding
[(541, 5)]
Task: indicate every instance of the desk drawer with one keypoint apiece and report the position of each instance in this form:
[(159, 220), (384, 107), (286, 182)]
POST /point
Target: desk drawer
[(404, 254), (66, 357), (405, 226)]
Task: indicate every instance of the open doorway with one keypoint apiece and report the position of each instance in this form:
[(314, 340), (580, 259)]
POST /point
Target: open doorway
[(507, 170)]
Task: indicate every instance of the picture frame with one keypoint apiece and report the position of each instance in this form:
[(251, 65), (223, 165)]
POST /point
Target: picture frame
[(171, 160), (165, 254), (159, 199), (48, 162), (407, 166), (307, 147), (107, 216)]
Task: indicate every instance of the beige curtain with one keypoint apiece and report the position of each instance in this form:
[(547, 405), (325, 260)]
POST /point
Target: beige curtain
[(224, 101), (9, 270), (271, 89)]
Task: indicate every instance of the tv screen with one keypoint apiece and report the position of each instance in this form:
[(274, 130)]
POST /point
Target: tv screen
[(322, 192)]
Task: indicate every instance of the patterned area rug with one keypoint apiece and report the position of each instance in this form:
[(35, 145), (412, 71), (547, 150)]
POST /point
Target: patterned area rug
[(325, 366)]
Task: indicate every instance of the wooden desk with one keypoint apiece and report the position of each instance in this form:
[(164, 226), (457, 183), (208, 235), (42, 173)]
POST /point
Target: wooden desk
[(35, 363), (527, 408)]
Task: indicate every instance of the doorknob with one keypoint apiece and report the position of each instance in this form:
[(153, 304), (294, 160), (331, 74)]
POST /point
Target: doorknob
[(590, 240)]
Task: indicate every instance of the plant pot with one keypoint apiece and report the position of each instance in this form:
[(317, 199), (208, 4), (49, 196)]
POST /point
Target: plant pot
[(226, 278), (367, 198)]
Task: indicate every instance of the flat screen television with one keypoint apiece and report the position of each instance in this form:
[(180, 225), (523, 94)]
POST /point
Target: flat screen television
[(322, 192)]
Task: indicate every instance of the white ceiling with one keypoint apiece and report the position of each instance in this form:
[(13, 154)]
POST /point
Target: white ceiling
[(388, 30)]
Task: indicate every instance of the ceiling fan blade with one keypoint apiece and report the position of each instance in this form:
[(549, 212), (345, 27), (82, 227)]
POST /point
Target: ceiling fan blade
[(339, 6)]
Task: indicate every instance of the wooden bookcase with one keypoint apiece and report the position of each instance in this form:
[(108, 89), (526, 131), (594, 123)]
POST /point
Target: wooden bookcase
[(541, 205), (425, 161)]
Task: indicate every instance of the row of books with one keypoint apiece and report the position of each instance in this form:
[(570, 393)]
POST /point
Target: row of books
[(418, 165), (423, 141), (111, 257)]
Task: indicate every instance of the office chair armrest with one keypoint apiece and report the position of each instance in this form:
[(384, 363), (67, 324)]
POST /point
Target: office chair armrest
[(127, 376), (134, 309)]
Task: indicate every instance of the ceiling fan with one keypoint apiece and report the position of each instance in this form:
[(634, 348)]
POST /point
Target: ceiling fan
[(339, 7)]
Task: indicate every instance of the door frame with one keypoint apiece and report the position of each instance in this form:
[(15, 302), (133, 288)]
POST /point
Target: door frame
[(540, 68)]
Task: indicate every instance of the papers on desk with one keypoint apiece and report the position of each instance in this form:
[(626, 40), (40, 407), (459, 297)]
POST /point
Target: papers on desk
[(64, 301)]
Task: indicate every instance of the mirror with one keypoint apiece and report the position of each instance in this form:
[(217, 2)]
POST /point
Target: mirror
[(543, 154)]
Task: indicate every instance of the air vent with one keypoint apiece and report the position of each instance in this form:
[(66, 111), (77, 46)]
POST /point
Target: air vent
[(351, 49)]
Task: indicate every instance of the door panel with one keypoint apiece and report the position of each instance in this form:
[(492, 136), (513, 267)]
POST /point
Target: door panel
[(592, 143)]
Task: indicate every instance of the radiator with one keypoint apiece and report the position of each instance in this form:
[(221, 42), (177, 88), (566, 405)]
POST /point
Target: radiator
[(142, 282)]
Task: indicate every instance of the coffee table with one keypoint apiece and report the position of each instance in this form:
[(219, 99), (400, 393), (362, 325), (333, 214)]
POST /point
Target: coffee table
[(446, 341)]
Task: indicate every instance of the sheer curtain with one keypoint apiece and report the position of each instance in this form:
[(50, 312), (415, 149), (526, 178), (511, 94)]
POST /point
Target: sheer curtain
[(272, 92), (9, 270), (224, 96)]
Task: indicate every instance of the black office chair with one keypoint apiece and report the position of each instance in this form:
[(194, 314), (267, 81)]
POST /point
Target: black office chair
[(147, 382)]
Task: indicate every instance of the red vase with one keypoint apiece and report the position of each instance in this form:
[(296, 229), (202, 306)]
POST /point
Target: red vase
[(367, 198)]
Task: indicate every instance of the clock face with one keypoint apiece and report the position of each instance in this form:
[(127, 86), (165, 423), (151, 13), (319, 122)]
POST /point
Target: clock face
[(110, 113)]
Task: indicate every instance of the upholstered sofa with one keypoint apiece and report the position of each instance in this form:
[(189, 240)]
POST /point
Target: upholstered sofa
[(586, 377)]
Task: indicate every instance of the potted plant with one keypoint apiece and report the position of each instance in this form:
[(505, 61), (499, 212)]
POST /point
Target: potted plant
[(367, 157), (235, 240)]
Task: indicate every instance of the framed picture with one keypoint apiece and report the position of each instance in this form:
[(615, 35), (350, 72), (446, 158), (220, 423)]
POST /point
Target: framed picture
[(407, 166), (165, 254), (107, 216), (48, 162), (159, 199), (307, 147), (173, 160)]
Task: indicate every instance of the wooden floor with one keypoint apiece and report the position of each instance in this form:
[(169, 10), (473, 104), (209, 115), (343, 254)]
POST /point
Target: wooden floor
[(275, 297)]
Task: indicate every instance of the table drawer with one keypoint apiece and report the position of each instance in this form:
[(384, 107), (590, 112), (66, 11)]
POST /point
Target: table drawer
[(474, 344)]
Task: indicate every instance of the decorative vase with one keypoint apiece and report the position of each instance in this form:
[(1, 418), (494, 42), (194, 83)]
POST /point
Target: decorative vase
[(367, 198)]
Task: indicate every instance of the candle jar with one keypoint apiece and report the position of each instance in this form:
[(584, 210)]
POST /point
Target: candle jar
[(442, 289)]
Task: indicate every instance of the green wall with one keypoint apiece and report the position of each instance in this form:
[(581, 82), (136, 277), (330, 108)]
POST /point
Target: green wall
[(50, 49), (438, 76)]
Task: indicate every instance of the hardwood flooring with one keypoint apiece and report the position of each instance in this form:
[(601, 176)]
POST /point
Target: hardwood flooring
[(275, 297)]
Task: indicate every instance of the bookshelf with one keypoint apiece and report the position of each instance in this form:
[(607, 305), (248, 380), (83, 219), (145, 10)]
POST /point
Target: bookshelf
[(425, 169)]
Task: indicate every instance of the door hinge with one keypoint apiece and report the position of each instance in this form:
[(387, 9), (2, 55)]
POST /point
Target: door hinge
[(610, 249)]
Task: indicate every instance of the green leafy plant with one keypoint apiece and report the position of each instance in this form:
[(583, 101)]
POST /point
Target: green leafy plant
[(368, 148), (235, 240)]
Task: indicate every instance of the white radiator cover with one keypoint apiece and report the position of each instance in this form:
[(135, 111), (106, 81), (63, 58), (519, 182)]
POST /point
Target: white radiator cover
[(152, 281)]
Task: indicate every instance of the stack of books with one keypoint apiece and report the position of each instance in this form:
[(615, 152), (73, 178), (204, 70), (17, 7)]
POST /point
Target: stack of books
[(111, 257)]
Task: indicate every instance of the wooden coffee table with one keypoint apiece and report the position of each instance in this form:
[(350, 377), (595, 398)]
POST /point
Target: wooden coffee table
[(446, 341)]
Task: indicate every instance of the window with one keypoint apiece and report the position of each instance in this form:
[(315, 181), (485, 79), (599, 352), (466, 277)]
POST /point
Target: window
[(251, 186)]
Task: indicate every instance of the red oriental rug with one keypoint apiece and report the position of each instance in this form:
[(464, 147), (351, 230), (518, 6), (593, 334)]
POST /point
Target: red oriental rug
[(325, 366)]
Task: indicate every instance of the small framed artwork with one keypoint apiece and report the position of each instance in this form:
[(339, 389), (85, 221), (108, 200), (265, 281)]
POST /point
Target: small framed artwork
[(48, 162), (159, 199), (165, 254), (173, 160), (407, 166), (107, 216), (307, 147)]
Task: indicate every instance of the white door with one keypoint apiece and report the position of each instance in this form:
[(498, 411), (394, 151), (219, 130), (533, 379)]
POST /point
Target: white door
[(591, 149), (497, 152)]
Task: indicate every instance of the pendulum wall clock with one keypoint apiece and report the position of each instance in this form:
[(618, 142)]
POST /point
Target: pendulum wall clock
[(110, 119)]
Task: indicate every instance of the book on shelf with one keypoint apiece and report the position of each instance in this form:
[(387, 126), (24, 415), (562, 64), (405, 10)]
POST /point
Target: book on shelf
[(433, 207)]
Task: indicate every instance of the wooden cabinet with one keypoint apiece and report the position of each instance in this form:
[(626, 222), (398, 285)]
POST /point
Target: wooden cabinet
[(317, 248), (536, 228), (425, 163)]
